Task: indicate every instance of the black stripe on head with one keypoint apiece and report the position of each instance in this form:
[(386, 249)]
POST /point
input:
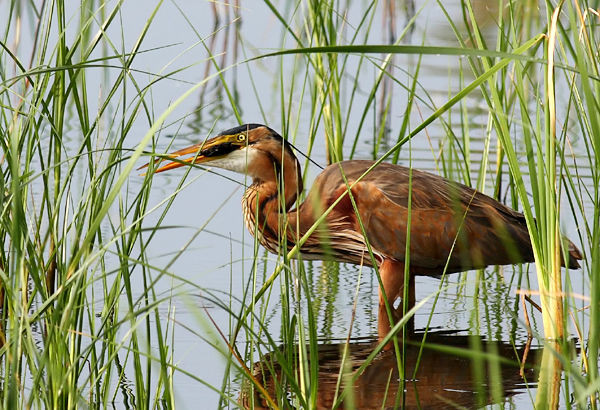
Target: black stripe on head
[(241, 128), (219, 150), (248, 127)]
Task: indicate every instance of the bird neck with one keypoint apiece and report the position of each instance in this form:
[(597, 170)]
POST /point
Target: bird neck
[(266, 204)]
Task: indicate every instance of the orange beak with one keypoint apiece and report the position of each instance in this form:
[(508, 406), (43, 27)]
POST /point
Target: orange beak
[(194, 149), (214, 148)]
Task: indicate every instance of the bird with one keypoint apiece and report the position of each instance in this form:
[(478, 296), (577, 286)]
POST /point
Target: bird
[(453, 227)]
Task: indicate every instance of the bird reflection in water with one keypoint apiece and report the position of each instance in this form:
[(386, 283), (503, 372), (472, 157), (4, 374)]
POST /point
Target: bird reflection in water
[(446, 376)]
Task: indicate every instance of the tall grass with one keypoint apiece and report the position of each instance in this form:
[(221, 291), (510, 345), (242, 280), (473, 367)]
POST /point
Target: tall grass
[(71, 234), (75, 326)]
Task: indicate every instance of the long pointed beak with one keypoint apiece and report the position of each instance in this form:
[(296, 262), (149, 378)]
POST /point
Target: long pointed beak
[(179, 163), (209, 150), (195, 159)]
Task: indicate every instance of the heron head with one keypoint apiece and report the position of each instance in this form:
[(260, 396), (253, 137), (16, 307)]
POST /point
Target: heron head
[(252, 149)]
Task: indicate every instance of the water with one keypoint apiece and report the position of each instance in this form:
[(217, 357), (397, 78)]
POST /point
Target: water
[(441, 380), (213, 261), (206, 244)]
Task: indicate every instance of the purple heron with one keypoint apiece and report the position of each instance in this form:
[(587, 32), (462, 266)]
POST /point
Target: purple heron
[(453, 228)]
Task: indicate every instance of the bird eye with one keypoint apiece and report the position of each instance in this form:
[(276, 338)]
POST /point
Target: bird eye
[(241, 137)]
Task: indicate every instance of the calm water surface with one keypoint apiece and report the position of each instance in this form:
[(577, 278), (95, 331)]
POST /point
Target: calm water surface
[(207, 243)]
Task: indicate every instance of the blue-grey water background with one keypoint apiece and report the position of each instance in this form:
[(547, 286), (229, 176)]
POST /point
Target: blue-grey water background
[(205, 234)]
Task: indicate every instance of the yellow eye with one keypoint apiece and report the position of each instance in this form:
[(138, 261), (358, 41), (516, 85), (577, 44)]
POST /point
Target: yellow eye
[(241, 137)]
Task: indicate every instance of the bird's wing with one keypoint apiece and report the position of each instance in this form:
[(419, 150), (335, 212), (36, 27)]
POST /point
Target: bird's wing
[(450, 222)]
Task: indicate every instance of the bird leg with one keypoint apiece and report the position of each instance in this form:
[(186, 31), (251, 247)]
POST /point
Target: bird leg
[(392, 278)]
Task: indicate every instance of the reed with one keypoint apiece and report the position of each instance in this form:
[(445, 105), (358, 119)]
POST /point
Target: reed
[(77, 222), (71, 229)]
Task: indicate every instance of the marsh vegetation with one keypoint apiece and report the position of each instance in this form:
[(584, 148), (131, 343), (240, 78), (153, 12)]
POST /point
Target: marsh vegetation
[(129, 291)]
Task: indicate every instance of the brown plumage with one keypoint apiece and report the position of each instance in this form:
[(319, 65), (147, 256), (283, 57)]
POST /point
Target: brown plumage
[(453, 227)]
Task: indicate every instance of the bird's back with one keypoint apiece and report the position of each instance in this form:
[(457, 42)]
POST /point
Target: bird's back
[(450, 224)]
